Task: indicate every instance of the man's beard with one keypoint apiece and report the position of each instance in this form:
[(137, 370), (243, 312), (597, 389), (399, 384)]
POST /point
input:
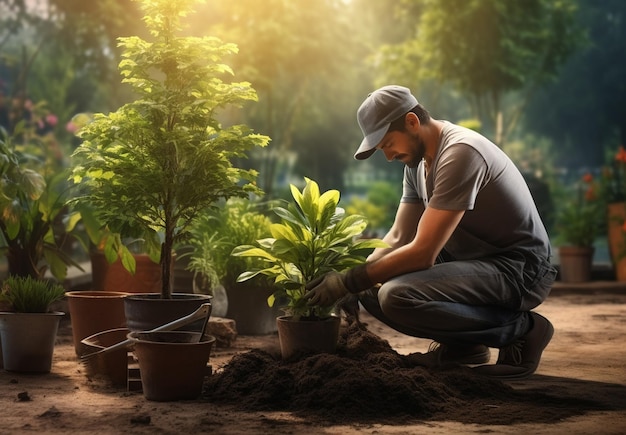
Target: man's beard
[(418, 150)]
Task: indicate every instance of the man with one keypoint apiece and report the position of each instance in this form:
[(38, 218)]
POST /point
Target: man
[(468, 256)]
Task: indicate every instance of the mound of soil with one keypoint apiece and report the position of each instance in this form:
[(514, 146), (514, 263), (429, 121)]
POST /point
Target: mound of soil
[(367, 381)]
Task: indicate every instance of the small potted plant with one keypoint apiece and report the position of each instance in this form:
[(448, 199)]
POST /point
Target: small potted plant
[(149, 169), (314, 237), (579, 217), (214, 236), (28, 331)]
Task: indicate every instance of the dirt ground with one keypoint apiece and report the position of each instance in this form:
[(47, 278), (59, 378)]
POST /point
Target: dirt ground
[(580, 387)]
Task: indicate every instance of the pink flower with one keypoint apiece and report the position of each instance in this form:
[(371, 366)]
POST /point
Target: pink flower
[(52, 119), (71, 127)]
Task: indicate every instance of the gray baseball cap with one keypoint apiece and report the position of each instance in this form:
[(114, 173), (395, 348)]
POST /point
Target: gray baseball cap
[(377, 112)]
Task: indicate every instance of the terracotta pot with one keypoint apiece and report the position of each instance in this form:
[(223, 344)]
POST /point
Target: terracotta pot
[(616, 238), (575, 263), (172, 364), (28, 340), (307, 336), (113, 277), (148, 311), (92, 312)]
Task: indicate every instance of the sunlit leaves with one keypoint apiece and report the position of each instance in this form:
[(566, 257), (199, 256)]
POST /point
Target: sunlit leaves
[(313, 237)]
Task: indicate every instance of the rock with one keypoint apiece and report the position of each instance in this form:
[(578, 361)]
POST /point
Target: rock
[(224, 330)]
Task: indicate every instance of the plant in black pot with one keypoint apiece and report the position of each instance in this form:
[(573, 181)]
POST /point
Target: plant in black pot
[(214, 236), (28, 329), (314, 236), (151, 167)]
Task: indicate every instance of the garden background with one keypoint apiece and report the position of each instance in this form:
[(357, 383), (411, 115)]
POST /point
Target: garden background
[(545, 80)]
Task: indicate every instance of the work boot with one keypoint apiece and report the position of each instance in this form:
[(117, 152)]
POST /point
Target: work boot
[(521, 358), (440, 354)]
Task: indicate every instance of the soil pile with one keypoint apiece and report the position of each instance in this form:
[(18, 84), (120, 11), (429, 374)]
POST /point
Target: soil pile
[(367, 381)]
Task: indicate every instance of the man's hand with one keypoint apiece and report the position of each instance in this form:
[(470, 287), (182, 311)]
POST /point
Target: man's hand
[(326, 290)]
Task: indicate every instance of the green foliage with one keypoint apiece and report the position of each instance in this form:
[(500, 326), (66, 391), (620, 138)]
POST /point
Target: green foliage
[(26, 294), (580, 214), (486, 49), (150, 168), (313, 237), (378, 207), (216, 233), (32, 203)]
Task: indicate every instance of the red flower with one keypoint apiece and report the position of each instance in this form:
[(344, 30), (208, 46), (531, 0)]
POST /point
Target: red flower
[(621, 154), (587, 178)]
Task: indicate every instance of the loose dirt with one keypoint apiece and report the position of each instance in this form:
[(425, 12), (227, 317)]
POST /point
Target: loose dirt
[(367, 387)]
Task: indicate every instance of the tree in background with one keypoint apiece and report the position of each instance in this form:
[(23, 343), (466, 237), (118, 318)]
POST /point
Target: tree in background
[(487, 50), (297, 55), (584, 112)]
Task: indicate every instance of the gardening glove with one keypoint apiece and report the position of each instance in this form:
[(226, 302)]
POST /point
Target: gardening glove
[(328, 289)]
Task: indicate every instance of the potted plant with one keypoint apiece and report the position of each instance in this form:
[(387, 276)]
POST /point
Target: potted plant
[(613, 184), (33, 197), (314, 237), (579, 218), (150, 168), (214, 236), (29, 330)]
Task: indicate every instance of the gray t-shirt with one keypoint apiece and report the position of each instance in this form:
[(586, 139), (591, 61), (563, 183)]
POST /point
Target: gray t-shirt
[(471, 173)]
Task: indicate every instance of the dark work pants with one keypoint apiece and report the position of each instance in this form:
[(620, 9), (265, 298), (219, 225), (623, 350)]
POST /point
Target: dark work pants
[(484, 301)]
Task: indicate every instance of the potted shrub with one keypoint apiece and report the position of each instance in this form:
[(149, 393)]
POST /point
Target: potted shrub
[(28, 331), (579, 218), (33, 197), (150, 168), (314, 237), (214, 236)]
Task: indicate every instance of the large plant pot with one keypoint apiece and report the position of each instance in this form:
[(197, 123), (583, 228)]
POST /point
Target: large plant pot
[(616, 238), (307, 336), (113, 277), (148, 311), (172, 364), (575, 263), (92, 312), (247, 306), (28, 340)]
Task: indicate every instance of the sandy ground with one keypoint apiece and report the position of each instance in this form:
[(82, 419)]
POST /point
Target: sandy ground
[(585, 365)]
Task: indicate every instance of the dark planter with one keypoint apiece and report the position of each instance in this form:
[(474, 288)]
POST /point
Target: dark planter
[(92, 312), (247, 306), (172, 364), (148, 311), (28, 340), (307, 336)]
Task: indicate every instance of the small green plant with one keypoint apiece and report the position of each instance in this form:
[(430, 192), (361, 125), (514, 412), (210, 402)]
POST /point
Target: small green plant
[(314, 237), (215, 234), (26, 294)]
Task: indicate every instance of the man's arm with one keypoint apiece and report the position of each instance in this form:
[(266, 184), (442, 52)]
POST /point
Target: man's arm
[(402, 231), (433, 231)]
